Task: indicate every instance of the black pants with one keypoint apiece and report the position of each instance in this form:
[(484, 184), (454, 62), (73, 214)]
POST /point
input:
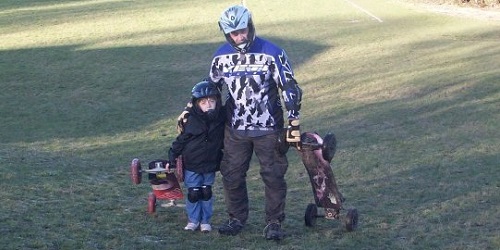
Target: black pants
[(238, 152)]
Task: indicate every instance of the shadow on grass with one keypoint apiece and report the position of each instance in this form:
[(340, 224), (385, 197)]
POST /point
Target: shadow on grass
[(65, 92)]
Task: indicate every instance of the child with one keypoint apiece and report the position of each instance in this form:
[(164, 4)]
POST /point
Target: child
[(200, 143)]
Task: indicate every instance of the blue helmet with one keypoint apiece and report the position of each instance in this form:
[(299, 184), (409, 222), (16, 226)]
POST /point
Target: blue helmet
[(236, 18)]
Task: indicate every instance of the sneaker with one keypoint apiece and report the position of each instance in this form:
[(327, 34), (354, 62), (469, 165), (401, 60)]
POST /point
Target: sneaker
[(273, 231), (233, 227), (205, 228), (191, 226)]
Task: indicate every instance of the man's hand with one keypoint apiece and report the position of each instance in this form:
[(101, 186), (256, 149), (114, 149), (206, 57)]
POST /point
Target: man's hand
[(293, 131), (182, 119)]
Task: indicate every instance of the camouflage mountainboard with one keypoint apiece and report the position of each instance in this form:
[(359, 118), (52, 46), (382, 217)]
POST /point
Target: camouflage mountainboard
[(316, 154)]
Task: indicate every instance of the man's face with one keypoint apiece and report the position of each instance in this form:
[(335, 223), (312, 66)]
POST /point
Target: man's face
[(239, 36)]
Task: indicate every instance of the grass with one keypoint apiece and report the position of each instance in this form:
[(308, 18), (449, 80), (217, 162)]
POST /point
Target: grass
[(89, 85)]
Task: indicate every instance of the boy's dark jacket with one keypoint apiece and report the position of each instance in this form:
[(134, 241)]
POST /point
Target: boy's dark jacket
[(201, 142)]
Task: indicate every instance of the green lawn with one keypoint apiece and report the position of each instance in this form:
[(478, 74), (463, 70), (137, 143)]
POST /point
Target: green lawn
[(87, 85)]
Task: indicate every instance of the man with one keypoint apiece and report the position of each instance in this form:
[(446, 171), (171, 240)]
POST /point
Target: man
[(256, 73)]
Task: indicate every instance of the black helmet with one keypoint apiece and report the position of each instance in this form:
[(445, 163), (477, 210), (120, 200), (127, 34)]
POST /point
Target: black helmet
[(205, 89)]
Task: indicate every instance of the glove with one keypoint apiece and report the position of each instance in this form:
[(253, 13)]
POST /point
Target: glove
[(182, 119), (293, 131)]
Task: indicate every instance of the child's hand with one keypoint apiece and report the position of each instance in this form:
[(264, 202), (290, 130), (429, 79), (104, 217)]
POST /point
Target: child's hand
[(169, 168)]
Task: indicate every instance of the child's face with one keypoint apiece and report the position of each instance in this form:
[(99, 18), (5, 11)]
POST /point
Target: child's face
[(207, 103)]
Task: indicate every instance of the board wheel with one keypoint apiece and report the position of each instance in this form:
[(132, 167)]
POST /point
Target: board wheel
[(311, 215), (151, 203), (329, 147), (351, 220), (135, 171)]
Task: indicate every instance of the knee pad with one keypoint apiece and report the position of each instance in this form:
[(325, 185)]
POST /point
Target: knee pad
[(206, 192), (194, 194)]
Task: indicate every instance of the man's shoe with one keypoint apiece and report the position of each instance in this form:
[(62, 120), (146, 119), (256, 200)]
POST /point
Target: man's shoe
[(233, 227), (273, 231)]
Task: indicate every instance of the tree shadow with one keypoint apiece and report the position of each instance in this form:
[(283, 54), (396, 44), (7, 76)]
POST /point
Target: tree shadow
[(73, 93)]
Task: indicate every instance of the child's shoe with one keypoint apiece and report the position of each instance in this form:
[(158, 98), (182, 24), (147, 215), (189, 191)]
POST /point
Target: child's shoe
[(205, 228), (191, 226)]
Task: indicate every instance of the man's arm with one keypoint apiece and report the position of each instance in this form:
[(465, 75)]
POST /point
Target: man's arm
[(292, 96)]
